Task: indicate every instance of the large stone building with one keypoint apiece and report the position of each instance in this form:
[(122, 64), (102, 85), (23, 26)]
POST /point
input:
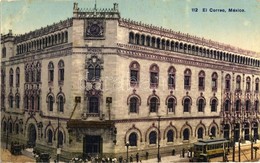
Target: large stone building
[(109, 81)]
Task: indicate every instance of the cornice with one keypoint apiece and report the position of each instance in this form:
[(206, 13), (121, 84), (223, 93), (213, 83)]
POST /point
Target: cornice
[(160, 31), (181, 58)]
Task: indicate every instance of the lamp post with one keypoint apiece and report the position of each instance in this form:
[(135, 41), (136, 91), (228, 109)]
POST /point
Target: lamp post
[(127, 146), (158, 154), (7, 135), (58, 143)]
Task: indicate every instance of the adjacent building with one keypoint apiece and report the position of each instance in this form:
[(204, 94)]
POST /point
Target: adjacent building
[(96, 82)]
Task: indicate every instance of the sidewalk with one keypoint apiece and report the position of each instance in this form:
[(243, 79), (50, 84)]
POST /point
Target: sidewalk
[(167, 159)]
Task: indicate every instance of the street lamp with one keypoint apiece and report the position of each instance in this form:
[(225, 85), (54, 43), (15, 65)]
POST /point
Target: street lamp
[(158, 154), (7, 135), (127, 146)]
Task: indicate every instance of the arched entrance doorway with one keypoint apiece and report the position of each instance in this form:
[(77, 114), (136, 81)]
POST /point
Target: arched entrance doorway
[(31, 135)]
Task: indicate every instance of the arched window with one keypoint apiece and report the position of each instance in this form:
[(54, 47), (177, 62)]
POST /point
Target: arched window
[(32, 103), (200, 133), (148, 41), (50, 102), (10, 127), (170, 136), (238, 83), (51, 72), (187, 79), (3, 52), (257, 85), (134, 73), (248, 103), (50, 136), (61, 103), (152, 137), (227, 105), (93, 105), (134, 103), (11, 77), (248, 84), (60, 138), (213, 131), (38, 100), (201, 104), (154, 75), (16, 128), (26, 102), (171, 105), (227, 82), (238, 105), (38, 72), (214, 104), (137, 39), (17, 101), (171, 77), (17, 72), (94, 71), (4, 126), (153, 104), (201, 81), (11, 100), (256, 106), (186, 134), (61, 71), (133, 139), (186, 105), (214, 81), (131, 38)]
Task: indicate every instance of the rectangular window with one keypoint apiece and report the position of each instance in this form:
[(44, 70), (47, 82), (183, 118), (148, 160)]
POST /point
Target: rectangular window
[(154, 78), (171, 80), (61, 74), (187, 82), (214, 84), (51, 78), (227, 84)]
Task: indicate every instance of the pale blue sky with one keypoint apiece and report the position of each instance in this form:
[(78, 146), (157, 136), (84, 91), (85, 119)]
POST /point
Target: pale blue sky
[(238, 29)]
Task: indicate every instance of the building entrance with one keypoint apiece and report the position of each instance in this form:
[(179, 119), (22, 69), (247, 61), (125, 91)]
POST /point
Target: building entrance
[(31, 135), (92, 145)]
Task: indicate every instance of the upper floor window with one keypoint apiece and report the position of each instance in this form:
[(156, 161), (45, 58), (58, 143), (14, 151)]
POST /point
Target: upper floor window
[(134, 103), (11, 77), (214, 81), (11, 101), (17, 101), (60, 138), (153, 104), (93, 104), (227, 82), (186, 104), (61, 71), (257, 85), (17, 72), (61, 102), (51, 72), (227, 105), (38, 72), (187, 79), (201, 105), (133, 139), (256, 105), (50, 102), (38, 100), (154, 75), (26, 102), (93, 72), (3, 52), (214, 104), (248, 84), (200, 133), (248, 105), (238, 105), (50, 136), (201, 80), (134, 73), (2, 77), (238, 83), (170, 136), (171, 77), (131, 38), (171, 104)]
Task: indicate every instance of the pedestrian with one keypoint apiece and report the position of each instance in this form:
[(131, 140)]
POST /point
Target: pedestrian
[(137, 157), (120, 159), (183, 152), (131, 158)]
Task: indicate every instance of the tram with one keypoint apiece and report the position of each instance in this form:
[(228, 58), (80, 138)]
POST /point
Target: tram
[(210, 148)]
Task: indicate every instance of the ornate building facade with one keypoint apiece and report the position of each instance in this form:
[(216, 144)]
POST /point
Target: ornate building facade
[(95, 82)]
